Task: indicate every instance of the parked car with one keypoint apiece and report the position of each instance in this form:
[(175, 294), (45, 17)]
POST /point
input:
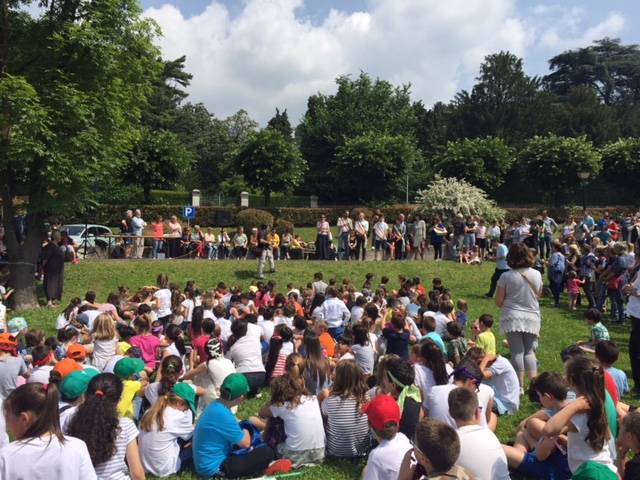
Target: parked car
[(93, 234)]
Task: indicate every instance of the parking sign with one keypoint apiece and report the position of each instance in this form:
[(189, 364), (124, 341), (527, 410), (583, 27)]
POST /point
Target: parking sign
[(189, 213)]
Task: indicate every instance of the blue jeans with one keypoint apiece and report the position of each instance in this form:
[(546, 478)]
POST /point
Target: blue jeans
[(212, 252), (343, 246), (157, 246), (336, 332)]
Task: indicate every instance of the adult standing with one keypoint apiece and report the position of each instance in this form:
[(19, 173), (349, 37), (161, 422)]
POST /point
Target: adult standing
[(481, 239), (158, 236), (137, 229), (265, 247), (419, 236), (438, 234), (549, 228), (501, 251), (380, 233), (517, 296), (175, 234), (557, 267), (362, 231), (322, 238), (399, 234), (345, 225), (632, 289), (126, 230), (470, 233), (53, 269), (459, 228)]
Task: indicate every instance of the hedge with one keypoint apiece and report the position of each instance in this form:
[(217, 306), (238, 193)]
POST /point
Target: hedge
[(304, 217)]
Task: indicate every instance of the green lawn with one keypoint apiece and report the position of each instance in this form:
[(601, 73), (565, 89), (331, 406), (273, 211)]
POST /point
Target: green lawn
[(560, 327)]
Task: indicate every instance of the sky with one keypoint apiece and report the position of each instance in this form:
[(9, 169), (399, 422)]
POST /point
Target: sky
[(262, 54)]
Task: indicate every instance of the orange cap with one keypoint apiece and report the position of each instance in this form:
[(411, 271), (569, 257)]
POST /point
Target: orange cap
[(76, 351), (7, 342), (67, 365)]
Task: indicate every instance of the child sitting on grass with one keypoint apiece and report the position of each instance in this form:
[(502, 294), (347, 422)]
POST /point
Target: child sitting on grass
[(533, 454), (429, 328), (456, 344), (598, 330), (461, 312), (499, 374), (483, 336), (607, 354), (384, 461)]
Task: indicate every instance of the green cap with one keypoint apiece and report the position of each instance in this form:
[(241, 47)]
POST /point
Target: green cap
[(76, 383), (125, 367), (594, 471), (187, 393), (234, 386)]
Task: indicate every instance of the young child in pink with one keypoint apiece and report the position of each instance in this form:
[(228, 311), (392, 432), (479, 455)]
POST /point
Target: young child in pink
[(573, 288)]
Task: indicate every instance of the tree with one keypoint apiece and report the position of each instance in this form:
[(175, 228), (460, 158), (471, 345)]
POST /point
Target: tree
[(73, 84), (240, 126), (446, 197), (607, 66), (554, 162), (157, 161), (167, 94), (361, 106), (269, 162), (621, 161), (505, 103), (381, 163), (483, 162), (281, 123)]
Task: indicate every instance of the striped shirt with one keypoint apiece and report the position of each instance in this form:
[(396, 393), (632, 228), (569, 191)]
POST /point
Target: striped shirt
[(347, 428), (115, 468)]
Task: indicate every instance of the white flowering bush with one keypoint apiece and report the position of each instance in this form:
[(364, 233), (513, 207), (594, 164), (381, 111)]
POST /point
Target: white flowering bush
[(447, 197)]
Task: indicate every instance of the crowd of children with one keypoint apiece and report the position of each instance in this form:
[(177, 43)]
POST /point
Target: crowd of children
[(151, 383)]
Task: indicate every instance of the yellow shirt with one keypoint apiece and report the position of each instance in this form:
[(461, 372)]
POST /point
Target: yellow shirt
[(130, 389), (487, 342), (275, 240)]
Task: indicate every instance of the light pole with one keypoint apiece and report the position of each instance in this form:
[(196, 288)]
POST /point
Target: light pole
[(584, 175)]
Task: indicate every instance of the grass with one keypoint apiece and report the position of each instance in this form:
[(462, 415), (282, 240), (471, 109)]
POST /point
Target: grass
[(560, 327)]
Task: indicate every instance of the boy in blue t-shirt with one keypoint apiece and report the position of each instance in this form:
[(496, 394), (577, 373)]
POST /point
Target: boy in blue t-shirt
[(607, 354), (218, 432)]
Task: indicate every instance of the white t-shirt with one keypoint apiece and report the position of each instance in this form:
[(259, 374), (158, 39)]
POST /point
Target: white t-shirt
[(254, 330), (246, 354), (579, 451), (111, 364), (380, 229), (67, 411), (384, 461), (267, 327), (90, 316), (288, 321), (164, 302), (103, 351), (188, 305), (225, 327), (633, 306), (356, 314), (159, 451), (425, 379), (211, 381), (437, 403), (40, 375), (505, 383), (302, 424), (115, 468), (41, 459), (4, 438), (481, 454), (152, 392)]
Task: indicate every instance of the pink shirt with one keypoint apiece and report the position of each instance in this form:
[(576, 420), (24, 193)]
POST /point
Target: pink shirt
[(573, 285), (158, 231), (148, 345), (200, 343)]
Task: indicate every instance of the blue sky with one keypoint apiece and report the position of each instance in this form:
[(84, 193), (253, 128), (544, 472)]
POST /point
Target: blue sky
[(259, 54)]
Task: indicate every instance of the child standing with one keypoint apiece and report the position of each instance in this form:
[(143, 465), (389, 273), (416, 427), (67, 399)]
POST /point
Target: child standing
[(573, 288), (461, 313), (40, 451), (384, 461)]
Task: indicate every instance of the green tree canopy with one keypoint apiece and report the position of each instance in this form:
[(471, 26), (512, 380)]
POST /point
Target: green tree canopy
[(555, 161), (73, 85), (621, 161), (483, 162), (280, 122), (374, 167), (269, 162), (360, 107)]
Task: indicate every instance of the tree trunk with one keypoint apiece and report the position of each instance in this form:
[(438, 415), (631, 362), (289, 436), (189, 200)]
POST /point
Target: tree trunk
[(22, 278)]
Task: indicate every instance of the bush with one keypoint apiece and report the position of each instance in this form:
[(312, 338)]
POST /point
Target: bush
[(252, 218), (283, 226)]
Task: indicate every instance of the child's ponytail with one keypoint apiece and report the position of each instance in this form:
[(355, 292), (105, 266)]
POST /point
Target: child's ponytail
[(42, 401), (155, 415), (174, 333), (433, 359), (170, 370), (588, 381)]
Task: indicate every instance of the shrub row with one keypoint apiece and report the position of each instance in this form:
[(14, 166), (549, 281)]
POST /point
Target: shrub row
[(304, 217)]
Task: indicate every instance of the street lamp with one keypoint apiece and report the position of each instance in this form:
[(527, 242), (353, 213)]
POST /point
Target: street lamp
[(584, 175)]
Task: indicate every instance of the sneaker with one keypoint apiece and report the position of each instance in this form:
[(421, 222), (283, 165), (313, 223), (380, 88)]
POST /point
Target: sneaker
[(279, 466), (488, 296)]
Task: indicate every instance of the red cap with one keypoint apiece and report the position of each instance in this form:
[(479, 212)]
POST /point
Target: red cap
[(382, 410), (76, 351)]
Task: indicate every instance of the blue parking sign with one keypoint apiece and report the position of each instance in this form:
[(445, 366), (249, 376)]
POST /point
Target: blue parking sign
[(189, 213)]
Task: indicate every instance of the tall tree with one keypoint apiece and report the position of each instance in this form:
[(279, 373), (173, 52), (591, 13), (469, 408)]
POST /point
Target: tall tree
[(73, 84), (504, 103), (280, 122), (607, 66), (621, 161), (167, 95), (360, 106), (269, 162)]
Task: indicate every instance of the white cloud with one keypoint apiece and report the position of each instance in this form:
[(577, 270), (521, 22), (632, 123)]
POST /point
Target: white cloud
[(266, 56)]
